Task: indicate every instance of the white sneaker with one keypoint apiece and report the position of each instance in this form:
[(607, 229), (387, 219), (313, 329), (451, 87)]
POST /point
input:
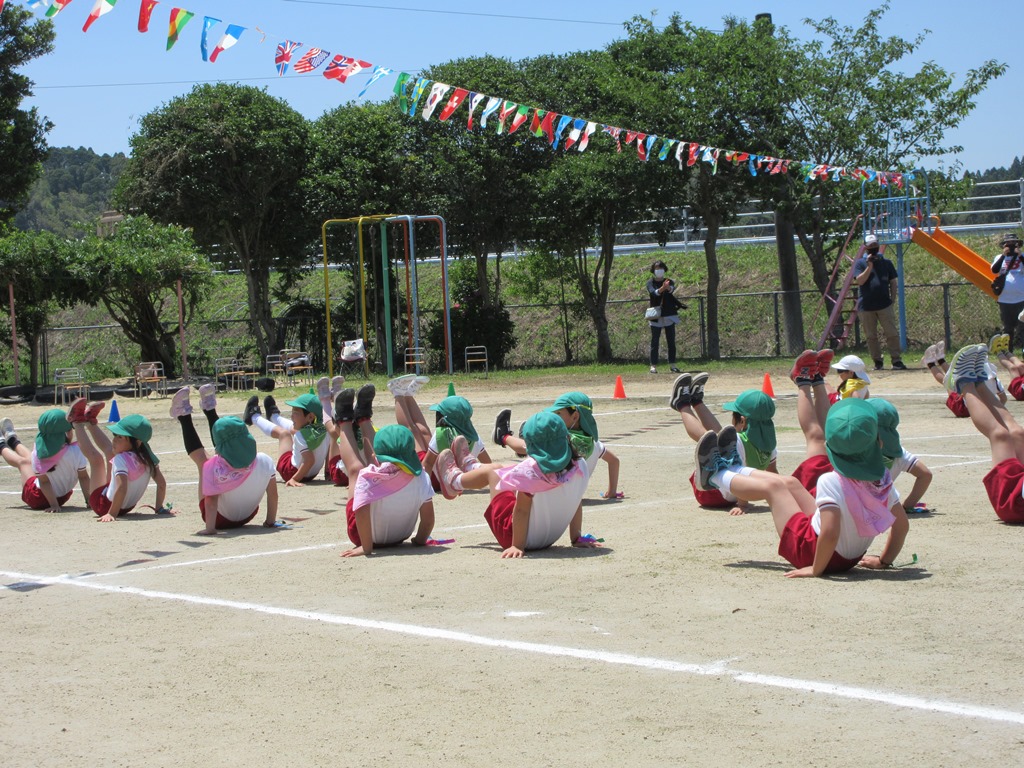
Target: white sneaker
[(180, 406), (337, 384), (7, 429), (323, 388), (940, 351), (399, 386), (418, 383), (208, 397), (930, 356)]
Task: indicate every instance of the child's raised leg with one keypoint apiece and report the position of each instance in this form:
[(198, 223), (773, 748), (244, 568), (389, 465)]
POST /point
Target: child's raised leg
[(14, 452), (994, 421), (94, 454), (273, 424)]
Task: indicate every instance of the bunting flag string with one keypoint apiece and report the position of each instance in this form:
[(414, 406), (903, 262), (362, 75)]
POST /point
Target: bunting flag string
[(231, 36), (101, 7), (547, 124), (145, 12)]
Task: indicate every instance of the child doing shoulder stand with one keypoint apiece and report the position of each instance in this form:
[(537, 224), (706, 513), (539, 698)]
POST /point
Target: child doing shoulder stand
[(121, 468), (50, 471), (831, 532), (577, 411), (532, 502), (390, 491), (232, 482)]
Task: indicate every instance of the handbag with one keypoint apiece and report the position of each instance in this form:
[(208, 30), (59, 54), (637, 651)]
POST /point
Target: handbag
[(653, 313)]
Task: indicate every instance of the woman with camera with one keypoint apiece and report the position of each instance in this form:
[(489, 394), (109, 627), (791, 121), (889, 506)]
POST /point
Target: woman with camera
[(663, 312), (1008, 267)]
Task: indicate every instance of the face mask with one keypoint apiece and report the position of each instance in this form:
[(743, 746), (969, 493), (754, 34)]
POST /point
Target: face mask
[(659, 273)]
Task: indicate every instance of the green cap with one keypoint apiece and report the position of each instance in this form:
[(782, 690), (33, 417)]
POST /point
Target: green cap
[(888, 421), (583, 406), (851, 440), (458, 414), (758, 409), (138, 427), (547, 441), (52, 435), (308, 403), (233, 441), (396, 444)]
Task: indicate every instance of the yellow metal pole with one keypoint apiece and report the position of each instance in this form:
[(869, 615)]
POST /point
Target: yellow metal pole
[(327, 302)]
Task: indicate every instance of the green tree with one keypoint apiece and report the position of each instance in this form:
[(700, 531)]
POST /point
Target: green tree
[(227, 161), (76, 186), (134, 273), (36, 264), (22, 131)]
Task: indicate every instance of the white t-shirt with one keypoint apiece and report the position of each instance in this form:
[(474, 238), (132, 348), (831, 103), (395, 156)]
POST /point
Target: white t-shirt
[(120, 465), (594, 457), (851, 544), (903, 463), (1013, 290), (64, 475), (393, 518), (238, 503), (299, 445), (553, 510)]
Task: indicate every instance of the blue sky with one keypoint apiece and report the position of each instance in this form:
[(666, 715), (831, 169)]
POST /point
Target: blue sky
[(96, 86)]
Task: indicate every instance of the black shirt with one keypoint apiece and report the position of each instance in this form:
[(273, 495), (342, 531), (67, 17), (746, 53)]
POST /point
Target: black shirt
[(874, 294)]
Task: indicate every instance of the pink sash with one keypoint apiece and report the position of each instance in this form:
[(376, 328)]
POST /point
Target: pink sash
[(220, 477), (868, 503), (526, 476), (377, 482), (42, 466)]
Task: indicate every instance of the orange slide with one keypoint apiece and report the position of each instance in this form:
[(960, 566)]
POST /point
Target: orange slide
[(957, 256)]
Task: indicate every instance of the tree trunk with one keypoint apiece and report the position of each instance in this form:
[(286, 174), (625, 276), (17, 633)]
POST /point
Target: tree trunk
[(482, 284), (33, 359), (789, 279), (712, 221), (257, 281)]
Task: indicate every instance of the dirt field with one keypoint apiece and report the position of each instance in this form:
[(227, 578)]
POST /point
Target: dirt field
[(140, 643)]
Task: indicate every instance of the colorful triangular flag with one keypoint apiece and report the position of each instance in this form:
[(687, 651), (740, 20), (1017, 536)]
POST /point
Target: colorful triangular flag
[(377, 74), (343, 67), (507, 108), (145, 11), (417, 94), (208, 22), (231, 36), (454, 102), (310, 60), (474, 102), (520, 118), (57, 7), (437, 93), (493, 102), (284, 56), (587, 133), (574, 133), (178, 19), (563, 122), (101, 7)]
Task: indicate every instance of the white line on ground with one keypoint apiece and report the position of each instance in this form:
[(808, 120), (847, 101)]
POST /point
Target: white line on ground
[(718, 668), (207, 561)]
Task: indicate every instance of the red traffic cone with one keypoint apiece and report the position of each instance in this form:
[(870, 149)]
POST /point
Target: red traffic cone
[(620, 391), (766, 386)]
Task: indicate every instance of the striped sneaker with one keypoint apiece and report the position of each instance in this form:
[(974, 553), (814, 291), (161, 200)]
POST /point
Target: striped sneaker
[(681, 395), (805, 368), (707, 459), (697, 387), (727, 442), (962, 368), (999, 344)]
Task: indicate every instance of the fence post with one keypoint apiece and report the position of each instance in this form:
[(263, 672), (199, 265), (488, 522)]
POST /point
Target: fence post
[(703, 328), (778, 338), (945, 316)]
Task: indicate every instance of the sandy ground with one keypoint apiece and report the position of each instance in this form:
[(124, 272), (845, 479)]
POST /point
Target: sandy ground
[(680, 642)]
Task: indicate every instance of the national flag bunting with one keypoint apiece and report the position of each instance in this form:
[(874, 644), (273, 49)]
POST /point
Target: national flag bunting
[(343, 67), (454, 102), (474, 102), (437, 92), (145, 12), (57, 7), (507, 108), (519, 119), (231, 36), (284, 56), (493, 102), (204, 50), (101, 7), (310, 60), (178, 19), (377, 74)]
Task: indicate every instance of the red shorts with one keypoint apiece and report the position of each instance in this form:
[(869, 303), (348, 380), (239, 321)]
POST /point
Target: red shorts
[(100, 504), (1016, 388), (223, 522), (834, 397), (810, 470), (335, 472), (712, 499), (955, 403), (799, 541), (353, 529), (499, 517), (434, 482), (1003, 483), (33, 496)]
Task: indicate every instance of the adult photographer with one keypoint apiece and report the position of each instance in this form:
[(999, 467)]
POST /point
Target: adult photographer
[(1008, 267), (663, 312), (877, 279)]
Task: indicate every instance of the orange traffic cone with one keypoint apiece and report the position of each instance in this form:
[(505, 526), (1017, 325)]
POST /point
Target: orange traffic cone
[(766, 386), (620, 391)]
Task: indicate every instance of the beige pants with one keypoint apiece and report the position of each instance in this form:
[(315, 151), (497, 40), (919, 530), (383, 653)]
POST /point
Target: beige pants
[(869, 322)]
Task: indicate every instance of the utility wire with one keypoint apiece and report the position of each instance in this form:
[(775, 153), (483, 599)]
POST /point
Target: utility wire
[(454, 13)]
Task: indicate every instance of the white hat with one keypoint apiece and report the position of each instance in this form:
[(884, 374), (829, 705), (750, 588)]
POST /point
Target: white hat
[(855, 365), (870, 239)]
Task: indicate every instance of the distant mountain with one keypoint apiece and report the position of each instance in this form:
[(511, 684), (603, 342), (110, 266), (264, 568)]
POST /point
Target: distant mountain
[(76, 187), (1015, 171)]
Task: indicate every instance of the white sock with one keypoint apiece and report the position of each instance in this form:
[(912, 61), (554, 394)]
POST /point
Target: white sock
[(328, 407), (265, 426), (722, 480), (457, 482), (281, 421)]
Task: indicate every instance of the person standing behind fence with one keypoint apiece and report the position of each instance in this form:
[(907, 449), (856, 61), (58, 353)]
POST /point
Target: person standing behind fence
[(1011, 298), (877, 278), (663, 312)]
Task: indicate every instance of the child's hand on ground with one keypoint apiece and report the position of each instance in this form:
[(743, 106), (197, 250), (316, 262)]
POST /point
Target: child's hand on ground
[(353, 552), (512, 552), (801, 573), (208, 532), (294, 483), (874, 562), (585, 543), (107, 518), (738, 511)]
